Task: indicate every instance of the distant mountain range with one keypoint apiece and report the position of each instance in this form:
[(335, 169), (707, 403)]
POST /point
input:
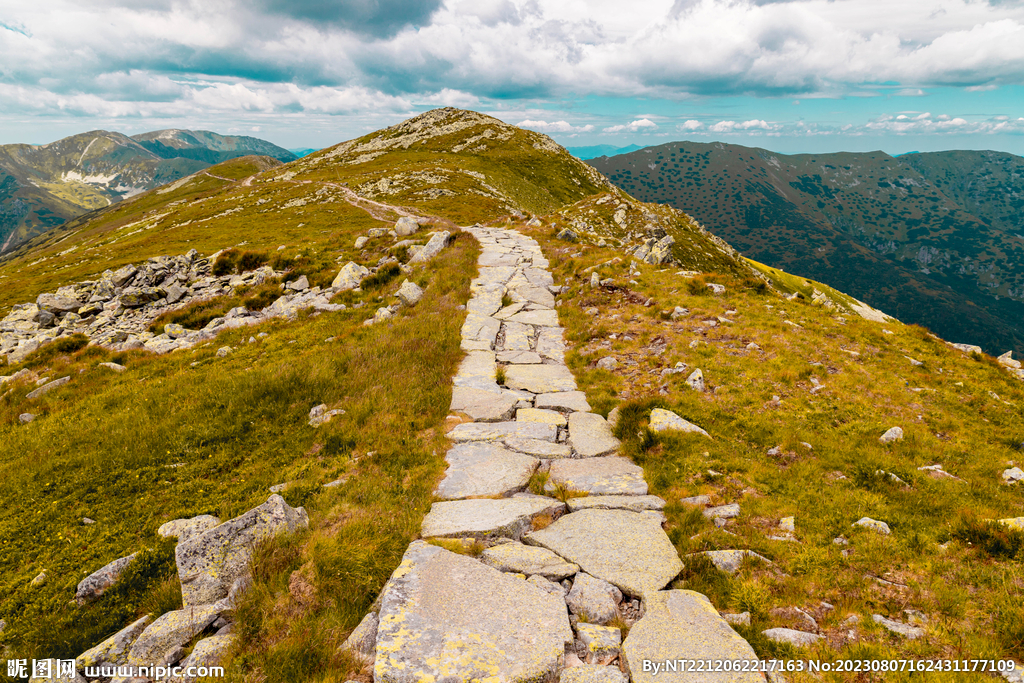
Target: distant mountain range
[(594, 151), (932, 238), (41, 186)]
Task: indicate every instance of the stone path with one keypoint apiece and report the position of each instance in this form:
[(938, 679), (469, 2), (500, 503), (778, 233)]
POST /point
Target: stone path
[(531, 607)]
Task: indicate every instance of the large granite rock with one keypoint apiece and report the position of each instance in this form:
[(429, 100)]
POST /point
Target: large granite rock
[(540, 379), (447, 617), (183, 529), (628, 550), (349, 277), (210, 562), (609, 475), (114, 650), (528, 560), (97, 583), (208, 652), (590, 435), (682, 624), (170, 632), (479, 469), (432, 248), (506, 517)]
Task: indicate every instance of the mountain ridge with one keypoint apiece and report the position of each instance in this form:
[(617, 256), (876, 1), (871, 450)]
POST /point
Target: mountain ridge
[(41, 186), (869, 224)]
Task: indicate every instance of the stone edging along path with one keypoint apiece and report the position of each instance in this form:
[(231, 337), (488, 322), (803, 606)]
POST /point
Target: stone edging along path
[(545, 599)]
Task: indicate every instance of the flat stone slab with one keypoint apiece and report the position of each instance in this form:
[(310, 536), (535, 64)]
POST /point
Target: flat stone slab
[(498, 431), (626, 549), (682, 624), (484, 469), (484, 405), (552, 417), (480, 328), (478, 370), (631, 503), (447, 617), (539, 379), (486, 300), (541, 318), (520, 358), (612, 475), (539, 448), (486, 518), (564, 401), (590, 435), (518, 337), (551, 344), (529, 560)]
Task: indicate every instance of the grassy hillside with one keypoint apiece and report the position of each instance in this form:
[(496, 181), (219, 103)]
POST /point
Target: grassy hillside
[(871, 225), (794, 419), (795, 423)]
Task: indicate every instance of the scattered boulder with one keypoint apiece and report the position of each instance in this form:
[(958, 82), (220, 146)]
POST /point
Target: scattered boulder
[(696, 380), (363, 640), (1013, 475), (319, 415), (361, 241), (210, 562), (25, 418), (39, 580), (97, 583), (874, 525), (409, 293), (741, 619), (905, 630), (46, 388), (113, 366), (208, 652), (665, 420), (729, 561), (608, 363), (716, 288), (891, 434), (349, 277), (223, 351), (432, 248), (299, 285), (567, 235), (406, 225), (792, 637)]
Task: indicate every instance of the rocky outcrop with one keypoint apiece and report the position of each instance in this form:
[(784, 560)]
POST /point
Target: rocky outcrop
[(210, 562)]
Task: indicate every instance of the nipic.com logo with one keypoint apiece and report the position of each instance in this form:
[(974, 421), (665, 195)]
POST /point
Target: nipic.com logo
[(67, 670)]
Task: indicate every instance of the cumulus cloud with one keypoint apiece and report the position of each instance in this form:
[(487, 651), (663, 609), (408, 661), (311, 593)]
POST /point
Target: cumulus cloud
[(636, 126), (554, 127), (372, 56), (734, 126)]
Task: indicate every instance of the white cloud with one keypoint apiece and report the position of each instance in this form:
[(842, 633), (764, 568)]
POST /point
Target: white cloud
[(636, 126), (689, 126), (733, 126), (554, 127)]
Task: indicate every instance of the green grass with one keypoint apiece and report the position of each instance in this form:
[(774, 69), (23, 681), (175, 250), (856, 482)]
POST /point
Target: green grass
[(102, 445), (964, 574)]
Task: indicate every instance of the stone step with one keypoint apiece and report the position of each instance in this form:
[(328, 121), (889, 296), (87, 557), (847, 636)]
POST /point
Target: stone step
[(487, 518), (445, 616), (611, 475), (628, 550), (539, 379), (480, 469), (499, 431), (631, 503), (590, 435)]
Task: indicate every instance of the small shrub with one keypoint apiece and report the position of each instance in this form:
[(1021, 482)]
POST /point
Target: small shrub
[(499, 375), (506, 300), (1009, 626), (226, 263), (381, 278), (281, 262), (251, 260), (71, 344), (751, 596), (537, 483), (996, 540)]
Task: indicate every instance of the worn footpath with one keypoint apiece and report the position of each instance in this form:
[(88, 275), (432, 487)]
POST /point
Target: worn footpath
[(561, 577)]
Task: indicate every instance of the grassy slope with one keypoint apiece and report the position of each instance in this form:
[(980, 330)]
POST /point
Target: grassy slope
[(100, 446), (856, 221), (961, 412)]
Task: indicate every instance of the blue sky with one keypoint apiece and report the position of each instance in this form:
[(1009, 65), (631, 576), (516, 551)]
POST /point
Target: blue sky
[(791, 76)]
